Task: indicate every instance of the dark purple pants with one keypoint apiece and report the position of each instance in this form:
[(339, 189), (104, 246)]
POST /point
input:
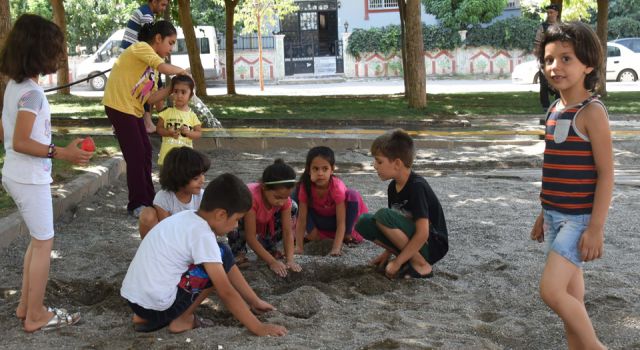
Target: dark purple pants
[(136, 149)]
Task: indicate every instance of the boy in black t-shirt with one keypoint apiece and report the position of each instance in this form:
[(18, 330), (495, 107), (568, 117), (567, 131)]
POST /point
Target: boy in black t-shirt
[(413, 227)]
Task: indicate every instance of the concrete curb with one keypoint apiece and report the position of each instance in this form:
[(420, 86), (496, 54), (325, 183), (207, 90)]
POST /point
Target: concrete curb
[(66, 197)]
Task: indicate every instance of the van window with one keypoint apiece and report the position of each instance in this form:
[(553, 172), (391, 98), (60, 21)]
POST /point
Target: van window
[(181, 46), (112, 49)]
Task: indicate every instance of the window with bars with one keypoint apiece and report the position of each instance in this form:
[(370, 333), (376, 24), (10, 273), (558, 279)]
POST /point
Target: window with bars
[(383, 4)]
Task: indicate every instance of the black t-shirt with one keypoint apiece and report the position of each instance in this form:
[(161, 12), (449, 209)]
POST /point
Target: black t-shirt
[(417, 200)]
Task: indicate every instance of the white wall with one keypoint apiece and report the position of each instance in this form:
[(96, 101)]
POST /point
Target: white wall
[(353, 11)]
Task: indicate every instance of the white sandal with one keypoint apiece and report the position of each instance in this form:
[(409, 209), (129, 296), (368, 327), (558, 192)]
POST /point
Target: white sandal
[(61, 318)]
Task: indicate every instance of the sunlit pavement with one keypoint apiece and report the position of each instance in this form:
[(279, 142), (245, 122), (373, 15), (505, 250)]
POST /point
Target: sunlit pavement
[(374, 87)]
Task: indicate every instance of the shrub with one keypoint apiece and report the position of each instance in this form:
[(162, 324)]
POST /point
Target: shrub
[(386, 40), (623, 27), (510, 33)]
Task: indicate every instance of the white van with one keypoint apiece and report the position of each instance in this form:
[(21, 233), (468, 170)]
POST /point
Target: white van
[(108, 52)]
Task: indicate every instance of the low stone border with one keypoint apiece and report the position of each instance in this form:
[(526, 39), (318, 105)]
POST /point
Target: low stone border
[(67, 196)]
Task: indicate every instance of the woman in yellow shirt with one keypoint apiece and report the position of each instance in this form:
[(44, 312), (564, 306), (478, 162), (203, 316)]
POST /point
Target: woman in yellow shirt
[(132, 83)]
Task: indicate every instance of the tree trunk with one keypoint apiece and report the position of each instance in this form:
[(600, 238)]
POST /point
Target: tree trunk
[(197, 72), (402, 6), (260, 52), (416, 76), (601, 30), (5, 27), (63, 72), (229, 9)]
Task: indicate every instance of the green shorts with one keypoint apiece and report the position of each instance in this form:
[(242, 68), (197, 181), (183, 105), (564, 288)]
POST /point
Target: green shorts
[(434, 249)]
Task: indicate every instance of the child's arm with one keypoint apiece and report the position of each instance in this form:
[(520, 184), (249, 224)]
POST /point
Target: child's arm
[(341, 214), (162, 131), (226, 290), (23, 143), (301, 226), (416, 242), (596, 125), (252, 240), (194, 134), (1, 131), (287, 239)]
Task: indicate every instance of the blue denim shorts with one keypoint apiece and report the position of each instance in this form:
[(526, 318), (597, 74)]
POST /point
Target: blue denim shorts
[(562, 233)]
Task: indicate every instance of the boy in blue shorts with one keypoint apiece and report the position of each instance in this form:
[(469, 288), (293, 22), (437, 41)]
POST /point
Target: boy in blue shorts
[(171, 273), (413, 227)]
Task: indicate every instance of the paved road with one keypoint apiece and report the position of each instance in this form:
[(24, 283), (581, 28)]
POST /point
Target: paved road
[(375, 87)]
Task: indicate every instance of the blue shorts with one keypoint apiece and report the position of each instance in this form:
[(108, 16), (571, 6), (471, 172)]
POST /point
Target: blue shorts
[(562, 233)]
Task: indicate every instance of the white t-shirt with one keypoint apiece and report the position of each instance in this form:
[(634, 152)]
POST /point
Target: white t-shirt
[(19, 167), (164, 255), (168, 201)]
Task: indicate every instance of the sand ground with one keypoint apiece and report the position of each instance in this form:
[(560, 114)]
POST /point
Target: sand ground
[(484, 294)]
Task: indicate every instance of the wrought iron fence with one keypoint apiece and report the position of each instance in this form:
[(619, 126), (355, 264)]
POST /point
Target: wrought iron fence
[(247, 42)]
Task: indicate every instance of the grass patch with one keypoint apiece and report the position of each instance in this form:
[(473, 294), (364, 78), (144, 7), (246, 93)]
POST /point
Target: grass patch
[(106, 147), (383, 107)]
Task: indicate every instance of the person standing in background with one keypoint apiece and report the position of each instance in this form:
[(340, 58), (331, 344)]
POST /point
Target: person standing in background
[(143, 15), (553, 17)]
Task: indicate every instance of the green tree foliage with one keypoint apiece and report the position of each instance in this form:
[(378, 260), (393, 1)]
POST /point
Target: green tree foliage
[(623, 27), (208, 13), (624, 8), (89, 22), (460, 14), (510, 33), (386, 40)]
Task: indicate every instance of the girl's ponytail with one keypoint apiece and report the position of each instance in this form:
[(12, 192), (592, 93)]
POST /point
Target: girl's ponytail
[(150, 30)]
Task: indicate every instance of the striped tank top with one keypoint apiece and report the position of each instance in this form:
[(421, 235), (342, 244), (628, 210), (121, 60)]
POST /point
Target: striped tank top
[(569, 173)]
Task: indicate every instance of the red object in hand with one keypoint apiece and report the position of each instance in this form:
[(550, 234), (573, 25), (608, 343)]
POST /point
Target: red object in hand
[(88, 144)]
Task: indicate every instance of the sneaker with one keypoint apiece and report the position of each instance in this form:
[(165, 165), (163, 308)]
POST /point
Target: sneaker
[(136, 212)]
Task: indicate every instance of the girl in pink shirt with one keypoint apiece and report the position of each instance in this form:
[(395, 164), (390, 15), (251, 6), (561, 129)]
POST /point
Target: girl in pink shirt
[(269, 221), (332, 210)]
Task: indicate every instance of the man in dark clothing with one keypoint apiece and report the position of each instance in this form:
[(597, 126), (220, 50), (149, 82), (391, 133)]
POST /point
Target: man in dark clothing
[(553, 12)]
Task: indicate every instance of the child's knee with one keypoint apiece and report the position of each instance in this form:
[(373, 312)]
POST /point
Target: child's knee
[(366, 226), (148, 217)]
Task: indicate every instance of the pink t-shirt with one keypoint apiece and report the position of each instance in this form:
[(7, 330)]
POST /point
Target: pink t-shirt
[(326, 205), (264, 216)]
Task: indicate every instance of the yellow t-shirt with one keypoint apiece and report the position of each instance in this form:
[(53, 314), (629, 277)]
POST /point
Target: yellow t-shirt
[(132, 80), (175, 118)]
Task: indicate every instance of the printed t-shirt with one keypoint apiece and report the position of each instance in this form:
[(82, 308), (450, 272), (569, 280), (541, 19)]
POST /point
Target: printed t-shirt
[(26, 96), (132, 80), (175, 118)]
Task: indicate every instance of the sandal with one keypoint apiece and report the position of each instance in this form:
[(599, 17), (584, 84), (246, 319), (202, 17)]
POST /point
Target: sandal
[(242, 261), (61, 318)]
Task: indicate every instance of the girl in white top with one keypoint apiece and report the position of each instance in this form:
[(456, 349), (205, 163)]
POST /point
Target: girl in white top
[(181, 179), (33, 47)]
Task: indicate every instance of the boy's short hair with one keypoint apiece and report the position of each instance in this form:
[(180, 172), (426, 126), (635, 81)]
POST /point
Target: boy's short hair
[(226, 192), (183, 79), (395, 144), (181, 165)]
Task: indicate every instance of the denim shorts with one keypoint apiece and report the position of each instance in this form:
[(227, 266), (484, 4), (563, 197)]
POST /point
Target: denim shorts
[(562, 233)]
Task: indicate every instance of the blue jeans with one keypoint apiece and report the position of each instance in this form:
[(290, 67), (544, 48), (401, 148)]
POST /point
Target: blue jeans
[(563, 232)]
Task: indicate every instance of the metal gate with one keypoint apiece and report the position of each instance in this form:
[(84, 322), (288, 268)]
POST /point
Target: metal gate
[(309, 33)]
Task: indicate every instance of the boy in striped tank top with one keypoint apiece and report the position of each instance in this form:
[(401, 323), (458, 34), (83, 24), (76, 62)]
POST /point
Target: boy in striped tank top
[(577, 175)]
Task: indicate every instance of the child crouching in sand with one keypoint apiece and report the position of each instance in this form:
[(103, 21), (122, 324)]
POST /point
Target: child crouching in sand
[(413, 227), (162, 285)]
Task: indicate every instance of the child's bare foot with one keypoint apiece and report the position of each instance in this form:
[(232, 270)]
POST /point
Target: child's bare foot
[(242, 260), (21, 312), (381, 260)]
